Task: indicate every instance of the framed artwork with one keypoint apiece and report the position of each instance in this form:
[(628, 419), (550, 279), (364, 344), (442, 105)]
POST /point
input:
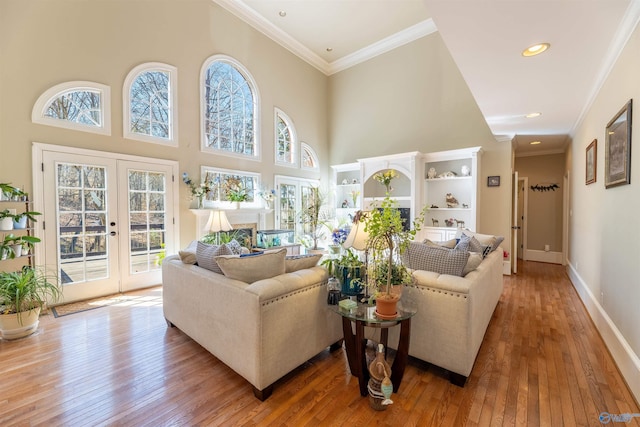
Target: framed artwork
[(591, 162), (617, 150), (493, 181)]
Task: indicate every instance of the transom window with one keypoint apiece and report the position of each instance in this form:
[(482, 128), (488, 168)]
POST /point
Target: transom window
[(285, 139), (221, 181), (229, 108), (75, 105), (309, 158), (149, 100)]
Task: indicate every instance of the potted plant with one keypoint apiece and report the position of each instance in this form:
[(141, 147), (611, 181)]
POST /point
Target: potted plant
[(22, 295), (313, 219), (20, 219), (27, 243), (349, 271), (234, 191), (6, 219), (387, 240), (14, 243)]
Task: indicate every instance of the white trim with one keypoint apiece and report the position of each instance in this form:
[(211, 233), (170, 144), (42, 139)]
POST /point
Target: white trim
[(260, 23), (625, 358), (304, 146), (279, 114), (51, 94), (256, 113), (173, 97), (543, 256)]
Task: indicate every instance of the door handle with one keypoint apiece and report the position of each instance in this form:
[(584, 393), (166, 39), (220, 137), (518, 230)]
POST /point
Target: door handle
[(516, 227), (113, 233)]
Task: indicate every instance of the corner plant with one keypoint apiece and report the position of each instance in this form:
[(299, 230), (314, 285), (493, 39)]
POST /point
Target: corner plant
[(24, 290)]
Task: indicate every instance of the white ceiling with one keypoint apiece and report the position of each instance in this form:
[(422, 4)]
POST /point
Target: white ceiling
[(485, 38)]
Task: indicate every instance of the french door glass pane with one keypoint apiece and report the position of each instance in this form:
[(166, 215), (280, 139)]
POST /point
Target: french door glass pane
[(287, 207), (147, 196), (82, 219)]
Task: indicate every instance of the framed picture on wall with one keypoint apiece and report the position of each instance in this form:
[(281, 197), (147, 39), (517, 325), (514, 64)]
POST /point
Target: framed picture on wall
[(493, 181), (617, 149), (591, 162)]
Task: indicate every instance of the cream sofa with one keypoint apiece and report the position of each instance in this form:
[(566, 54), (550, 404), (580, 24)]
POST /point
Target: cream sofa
[(452, 315), (261, 330)]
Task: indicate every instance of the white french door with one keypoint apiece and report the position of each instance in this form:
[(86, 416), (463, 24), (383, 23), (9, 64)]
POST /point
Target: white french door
[(108, 221)]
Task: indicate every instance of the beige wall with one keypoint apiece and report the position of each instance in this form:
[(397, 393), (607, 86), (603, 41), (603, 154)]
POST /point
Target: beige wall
[(544, 214), (415, 99), (43, 43), (604, 246)]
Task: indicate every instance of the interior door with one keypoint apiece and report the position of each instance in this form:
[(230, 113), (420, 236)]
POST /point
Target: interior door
[(108, 222), (514, 224)]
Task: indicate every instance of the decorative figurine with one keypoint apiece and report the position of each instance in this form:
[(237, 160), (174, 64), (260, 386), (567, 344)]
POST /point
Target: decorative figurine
[(452, 202), (447, 174), (432, 173), (435, 222), (465, 171)]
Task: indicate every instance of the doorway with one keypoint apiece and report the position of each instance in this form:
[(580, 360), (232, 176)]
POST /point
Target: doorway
[(109, 218)]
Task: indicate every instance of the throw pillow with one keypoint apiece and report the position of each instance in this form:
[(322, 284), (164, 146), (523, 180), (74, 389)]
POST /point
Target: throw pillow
[(463, 243), (446, 243), (235, 247), (250, 269), (206, 256), (475, 246), (188, 254), (484, 239), (300, 262), (437, 259), (475, 258)]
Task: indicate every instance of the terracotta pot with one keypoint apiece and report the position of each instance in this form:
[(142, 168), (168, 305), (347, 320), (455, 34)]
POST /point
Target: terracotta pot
[(13, 326), (387, 304)]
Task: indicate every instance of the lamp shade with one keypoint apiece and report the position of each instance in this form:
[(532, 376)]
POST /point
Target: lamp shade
[(357, 238), (218, 222)]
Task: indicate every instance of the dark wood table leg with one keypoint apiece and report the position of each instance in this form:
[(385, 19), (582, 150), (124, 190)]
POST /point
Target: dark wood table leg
[(361, 359), (349, 345), (402, 355)]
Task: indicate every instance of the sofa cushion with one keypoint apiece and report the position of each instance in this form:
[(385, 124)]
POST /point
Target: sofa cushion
[(437, 259), (300, 262), (446, 243), (188, 254), (250, 269), (206, 256), (475, 258)]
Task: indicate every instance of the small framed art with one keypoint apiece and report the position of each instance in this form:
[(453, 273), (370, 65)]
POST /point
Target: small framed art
[(591, 162), (493, 181), (617, 149)]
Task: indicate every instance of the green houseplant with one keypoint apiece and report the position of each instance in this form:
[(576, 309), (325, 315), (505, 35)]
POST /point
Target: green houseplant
[(22, 295), (349, 271), (387, 240)]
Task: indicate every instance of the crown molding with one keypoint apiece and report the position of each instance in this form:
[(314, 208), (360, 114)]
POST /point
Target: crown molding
[(257, 21), (394, 41)]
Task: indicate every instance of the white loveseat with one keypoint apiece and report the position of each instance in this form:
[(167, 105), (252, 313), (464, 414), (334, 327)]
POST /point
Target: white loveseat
[(453, 314), (261, 330)]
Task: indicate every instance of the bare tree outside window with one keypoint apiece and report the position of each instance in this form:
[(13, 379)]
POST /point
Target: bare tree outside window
[(229, 110), (80, 106), (150, 112)]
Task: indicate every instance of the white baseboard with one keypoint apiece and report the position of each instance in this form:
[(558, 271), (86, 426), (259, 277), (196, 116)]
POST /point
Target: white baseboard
[(543, 256), (624, 356)]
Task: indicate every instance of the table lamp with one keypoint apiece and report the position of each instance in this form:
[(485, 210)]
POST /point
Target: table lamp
[(218, 222)]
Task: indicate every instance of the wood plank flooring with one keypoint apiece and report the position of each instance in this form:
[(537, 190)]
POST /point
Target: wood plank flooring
[(542, 363)]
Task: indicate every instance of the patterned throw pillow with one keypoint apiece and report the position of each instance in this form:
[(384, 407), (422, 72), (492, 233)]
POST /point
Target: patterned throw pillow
[(463, 243), (206, 256), (437, 259), (235, 247), (300, 262)]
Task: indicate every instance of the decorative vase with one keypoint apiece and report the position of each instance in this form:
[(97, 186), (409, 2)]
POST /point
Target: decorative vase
[(20, 224), (334, 249), (6, 224), (201, 202)]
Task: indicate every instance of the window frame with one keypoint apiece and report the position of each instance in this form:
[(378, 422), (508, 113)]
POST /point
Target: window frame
[(281, 115), (312, 153), (225, 204), (172, 140), (298, 183), (50, 95), (257, 155)]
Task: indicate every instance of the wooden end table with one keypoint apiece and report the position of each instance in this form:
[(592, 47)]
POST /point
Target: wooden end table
[(355, 343)]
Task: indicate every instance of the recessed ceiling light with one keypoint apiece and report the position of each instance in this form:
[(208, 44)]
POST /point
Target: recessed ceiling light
[(535, 142), (536, 49), (282, 13), (533, 115), (329, 49)]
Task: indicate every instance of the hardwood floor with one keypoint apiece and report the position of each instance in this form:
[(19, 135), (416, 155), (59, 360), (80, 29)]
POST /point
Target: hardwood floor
[(542, 363)]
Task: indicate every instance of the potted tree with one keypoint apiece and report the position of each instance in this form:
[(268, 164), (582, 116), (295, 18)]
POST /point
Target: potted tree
[(312, 218), (388, 239), (22, 295)]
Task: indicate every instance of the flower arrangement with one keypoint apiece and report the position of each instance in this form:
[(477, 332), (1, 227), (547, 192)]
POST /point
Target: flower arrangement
[(354, 196), (386, 177), (268, 195), (339, 235), (234, 190), (198, 191)]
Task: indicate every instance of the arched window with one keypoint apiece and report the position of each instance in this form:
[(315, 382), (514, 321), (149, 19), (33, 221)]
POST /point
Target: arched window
[(286, 152), (308, 157), (149, 96), (229, 108), (75, 105)]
